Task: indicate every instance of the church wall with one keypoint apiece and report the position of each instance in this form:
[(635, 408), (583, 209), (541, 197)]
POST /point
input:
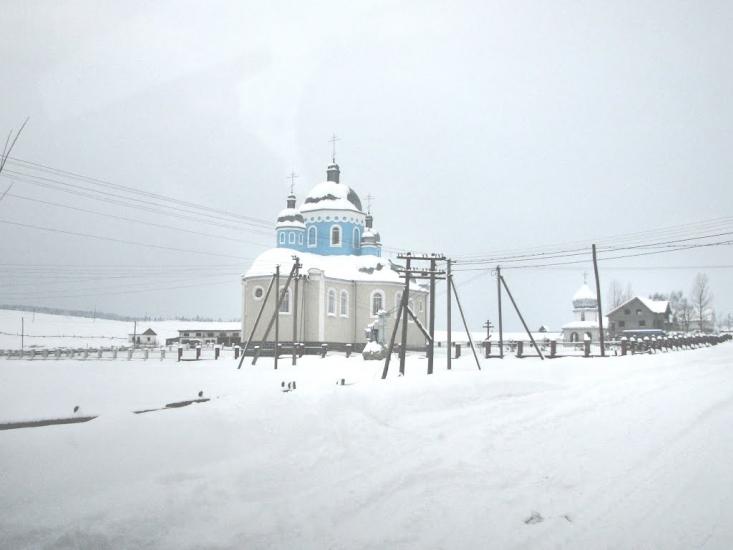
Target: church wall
[(323, 241), (315, 323)]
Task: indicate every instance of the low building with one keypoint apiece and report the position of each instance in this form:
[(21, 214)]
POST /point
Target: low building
[(148, 338), (640, 313), (225, 336)]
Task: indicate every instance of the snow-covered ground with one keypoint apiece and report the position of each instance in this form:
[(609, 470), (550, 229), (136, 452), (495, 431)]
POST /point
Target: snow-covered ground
[(624, 452), (42, 330)]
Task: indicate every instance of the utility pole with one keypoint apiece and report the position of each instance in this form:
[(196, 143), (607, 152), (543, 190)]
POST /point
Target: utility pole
[(295, 319), (501, 326), (134, 335), (449, 342), (22, 333), (277, 314), (405, 301), (431, 325), (526, 328), (598, 299)]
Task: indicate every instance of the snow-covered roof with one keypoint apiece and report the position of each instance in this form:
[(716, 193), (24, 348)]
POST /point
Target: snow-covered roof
[(655, 306), (584, 293), (290, 217), (149, 332), (346, 267), (580, 325), (330, 195)]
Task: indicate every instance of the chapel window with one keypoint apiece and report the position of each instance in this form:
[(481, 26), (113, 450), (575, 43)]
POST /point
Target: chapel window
[(344, 304), (331, 302), (377, 302), (336, 235), (312, 236)]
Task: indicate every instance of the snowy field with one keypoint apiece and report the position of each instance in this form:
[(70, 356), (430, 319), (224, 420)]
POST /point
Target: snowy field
[(626, 452), (44, 330)]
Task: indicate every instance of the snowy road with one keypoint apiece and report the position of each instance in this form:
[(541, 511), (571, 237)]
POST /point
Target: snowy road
[(631, 452)]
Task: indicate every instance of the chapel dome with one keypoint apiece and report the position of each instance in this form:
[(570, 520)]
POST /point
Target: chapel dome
[(290, 217), (584, 297)]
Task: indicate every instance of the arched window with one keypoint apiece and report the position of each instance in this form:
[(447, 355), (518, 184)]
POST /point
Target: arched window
[(291, 238), (312, 236), (282, 237), (574, 337), (300, 238), (377, 302), (582, 315), (344, 304), (357, 237), (331, 302), (336, 235), (285, 305)]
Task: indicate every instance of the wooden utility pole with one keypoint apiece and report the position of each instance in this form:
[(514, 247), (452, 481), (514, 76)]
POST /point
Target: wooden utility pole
[(405, 301), (448, 342), (431, 326), (134, 335), (257, 320), (277, 314), (22, 333), (600, 307), (516, 308), (465, 325), (295, 319), (498, 301)]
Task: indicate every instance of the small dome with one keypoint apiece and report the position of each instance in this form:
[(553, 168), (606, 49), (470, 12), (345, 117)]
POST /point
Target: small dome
[(290, 217), (584, 297), (370, 237)]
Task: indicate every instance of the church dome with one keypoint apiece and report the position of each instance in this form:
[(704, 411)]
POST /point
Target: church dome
[(584, 297), (331, 195), (290, 217)]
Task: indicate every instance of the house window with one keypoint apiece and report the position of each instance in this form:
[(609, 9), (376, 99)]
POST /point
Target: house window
[(627, 312), (377, 302), (357, 237), (344, 304), (336, 235), (312, 236), (331, 302), (185, 333), (285, 305), (638, 312), (210, 334), (258, 292), (291, 238), (198, 334), (642, 323), (282, 237), (621, 324)]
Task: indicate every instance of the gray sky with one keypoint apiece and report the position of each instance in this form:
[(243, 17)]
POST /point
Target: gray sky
[(477, 127)]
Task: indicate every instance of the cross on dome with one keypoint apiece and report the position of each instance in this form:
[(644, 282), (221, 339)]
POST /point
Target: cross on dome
[(292, 177), (333, 141)]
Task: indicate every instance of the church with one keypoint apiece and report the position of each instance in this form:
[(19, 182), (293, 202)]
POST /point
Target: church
[(345, 289), (585, 308)]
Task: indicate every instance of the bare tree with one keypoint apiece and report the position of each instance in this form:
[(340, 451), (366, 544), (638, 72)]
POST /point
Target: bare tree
[(629, 293), (702, 298), (615, 294), (684, 314)]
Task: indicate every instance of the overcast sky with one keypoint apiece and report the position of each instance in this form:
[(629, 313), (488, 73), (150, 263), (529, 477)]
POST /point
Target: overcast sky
[(477, 126)]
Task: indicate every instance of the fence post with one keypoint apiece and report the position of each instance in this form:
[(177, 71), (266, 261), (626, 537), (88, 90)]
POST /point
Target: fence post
[(586, 348), (348, 350), (180, 354), (236, 352), (129, 354), (458, 350), (324, 350), (520, 349), (553, 348), (145, 355), (162, 353), (114, 354), (198, 353), (217, 351), (624, 345), (487, 349)]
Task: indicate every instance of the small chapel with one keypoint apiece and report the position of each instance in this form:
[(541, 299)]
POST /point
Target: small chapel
[(346, 292), (585, 310)]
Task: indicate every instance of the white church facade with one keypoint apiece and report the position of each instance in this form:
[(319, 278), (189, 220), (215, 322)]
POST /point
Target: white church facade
[(344, 287), (585, 325)]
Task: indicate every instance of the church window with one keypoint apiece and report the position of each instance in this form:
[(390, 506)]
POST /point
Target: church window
[(258, 292), (336, 235), (357, 237), (291, 238), (300, 238), (574, 337), (282, 237), (582, 315), (285, 305), (331, 302), (377, 302), (344, 304), (312, 236)]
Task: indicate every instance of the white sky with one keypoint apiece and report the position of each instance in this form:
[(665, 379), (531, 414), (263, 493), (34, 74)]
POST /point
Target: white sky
[(477, 125)]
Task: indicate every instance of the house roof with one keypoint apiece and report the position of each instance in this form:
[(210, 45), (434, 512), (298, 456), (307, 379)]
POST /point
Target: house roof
[(149, 332), (655, 306)]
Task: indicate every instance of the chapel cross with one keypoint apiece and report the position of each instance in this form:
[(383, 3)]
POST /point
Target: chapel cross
[(369, 203)]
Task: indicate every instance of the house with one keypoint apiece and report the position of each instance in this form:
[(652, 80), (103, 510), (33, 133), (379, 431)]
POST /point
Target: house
[(225, 334), (344, 288), (640, 313), (147, 339)]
